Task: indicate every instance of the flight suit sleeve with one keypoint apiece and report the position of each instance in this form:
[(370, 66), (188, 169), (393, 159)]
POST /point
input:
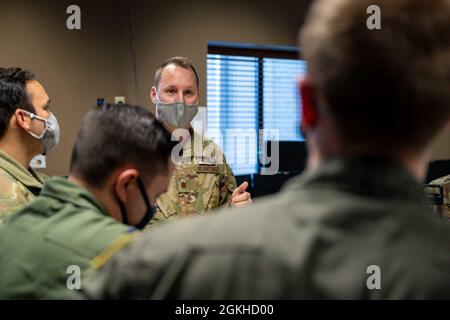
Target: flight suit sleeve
[(134, 276)]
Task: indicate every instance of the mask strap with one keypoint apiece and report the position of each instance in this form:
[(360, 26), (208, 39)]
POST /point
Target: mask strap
[(123, 210), (143, 192), (150, 209), (158, 101), (32, 117)]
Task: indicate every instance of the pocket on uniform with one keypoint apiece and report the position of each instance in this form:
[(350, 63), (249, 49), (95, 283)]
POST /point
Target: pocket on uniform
[(165, 205), (208, 196)]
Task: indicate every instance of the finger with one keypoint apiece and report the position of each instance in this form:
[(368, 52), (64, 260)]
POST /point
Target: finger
[(238, 198), (242, 197), (243, 204), (241, 188)]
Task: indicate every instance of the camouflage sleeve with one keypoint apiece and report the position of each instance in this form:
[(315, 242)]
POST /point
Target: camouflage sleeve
[(43, 176), (13, 196), (227, 185)]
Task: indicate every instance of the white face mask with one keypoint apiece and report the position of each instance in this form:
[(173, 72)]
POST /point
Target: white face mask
[(49, 138), (178, 114)]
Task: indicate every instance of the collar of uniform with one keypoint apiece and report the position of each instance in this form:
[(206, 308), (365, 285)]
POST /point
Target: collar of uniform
[(29, 178), (189, 149), (68, 191), (364, 175)]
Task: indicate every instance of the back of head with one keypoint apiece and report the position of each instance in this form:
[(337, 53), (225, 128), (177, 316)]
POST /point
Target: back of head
[(114, 136), (385, 88), (13, 94)]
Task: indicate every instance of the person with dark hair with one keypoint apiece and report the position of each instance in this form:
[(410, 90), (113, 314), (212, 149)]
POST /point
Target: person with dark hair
[(202, 180), (27, 129), (357, 225), (120, 164)]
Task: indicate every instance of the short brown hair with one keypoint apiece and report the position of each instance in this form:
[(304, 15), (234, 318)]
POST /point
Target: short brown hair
[(387, 88), (178, 61)]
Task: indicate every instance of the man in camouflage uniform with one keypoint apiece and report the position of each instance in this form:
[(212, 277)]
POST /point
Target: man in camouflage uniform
[(76, 225), (24, 103), (199, 184), (202, 180), (356, 227)]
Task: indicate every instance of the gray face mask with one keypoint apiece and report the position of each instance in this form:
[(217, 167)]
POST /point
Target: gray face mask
[(177, 115), (49, 138)]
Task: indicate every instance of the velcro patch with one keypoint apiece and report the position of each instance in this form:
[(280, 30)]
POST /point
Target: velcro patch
[(204, 168)]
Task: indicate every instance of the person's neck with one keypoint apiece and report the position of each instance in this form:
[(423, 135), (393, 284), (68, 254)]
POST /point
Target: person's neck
[(181, 135), (415, 162), (326, 144), (17, 151), (100, 194)]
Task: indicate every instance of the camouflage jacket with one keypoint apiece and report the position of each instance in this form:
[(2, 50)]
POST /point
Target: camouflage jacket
[(202, 181), (18, 186), (444, 182)]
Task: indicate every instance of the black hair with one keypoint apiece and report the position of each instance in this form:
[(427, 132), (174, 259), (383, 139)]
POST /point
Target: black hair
[(13, 94), (115, 135)]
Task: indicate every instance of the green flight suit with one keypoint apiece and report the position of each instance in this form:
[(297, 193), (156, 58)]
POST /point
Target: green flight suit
[(65, 227), (201, 181), (356, 228), (18, 186)]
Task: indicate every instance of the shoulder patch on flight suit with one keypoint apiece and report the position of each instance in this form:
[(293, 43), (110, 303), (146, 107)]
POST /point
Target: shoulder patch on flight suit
[(121, 242)]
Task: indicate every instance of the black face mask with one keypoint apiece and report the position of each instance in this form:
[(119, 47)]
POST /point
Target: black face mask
[(148, 214)]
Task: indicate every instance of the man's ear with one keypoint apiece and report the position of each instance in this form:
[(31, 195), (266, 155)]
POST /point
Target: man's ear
[(123, 181), (309, 107), (153, 95), (22, 119)]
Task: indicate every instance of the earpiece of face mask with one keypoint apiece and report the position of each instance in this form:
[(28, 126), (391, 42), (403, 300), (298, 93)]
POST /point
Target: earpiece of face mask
[(49, 138), (149, 213)]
